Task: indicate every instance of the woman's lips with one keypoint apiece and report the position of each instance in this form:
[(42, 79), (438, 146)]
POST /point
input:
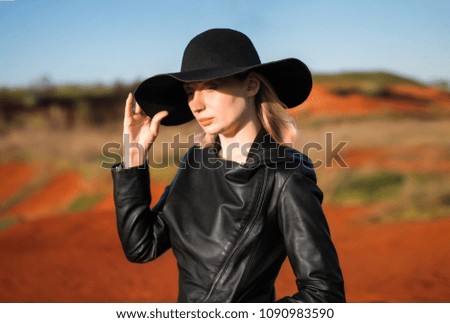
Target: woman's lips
[(205, 121)]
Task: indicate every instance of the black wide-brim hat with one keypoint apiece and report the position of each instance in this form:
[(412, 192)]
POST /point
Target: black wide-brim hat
[(218, 53)]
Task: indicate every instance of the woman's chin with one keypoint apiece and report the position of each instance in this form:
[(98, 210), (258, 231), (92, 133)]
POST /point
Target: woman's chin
[(211, 129)]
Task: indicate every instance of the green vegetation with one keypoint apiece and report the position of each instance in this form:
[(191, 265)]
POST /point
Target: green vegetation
[(84, 202), (73, 91), (375, 84), (412, 212), (356, 188), (7, 223), (28, 95), (17, 96), (364, 77), (426, 197), (367, 89), (28, 190), (400, 197)]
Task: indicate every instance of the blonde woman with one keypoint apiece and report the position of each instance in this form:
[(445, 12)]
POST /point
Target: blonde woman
[(243, 200)]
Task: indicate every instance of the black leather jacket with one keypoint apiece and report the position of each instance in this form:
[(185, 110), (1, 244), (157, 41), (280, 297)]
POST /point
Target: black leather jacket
[(231, 225)]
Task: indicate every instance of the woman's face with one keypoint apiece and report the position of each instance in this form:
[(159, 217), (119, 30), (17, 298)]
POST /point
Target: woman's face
[(221, 106)]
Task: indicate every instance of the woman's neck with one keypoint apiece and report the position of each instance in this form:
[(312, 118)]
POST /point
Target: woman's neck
[(235, 147)]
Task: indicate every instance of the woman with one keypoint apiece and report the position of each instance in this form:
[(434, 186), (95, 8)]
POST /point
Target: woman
[(241, 201)]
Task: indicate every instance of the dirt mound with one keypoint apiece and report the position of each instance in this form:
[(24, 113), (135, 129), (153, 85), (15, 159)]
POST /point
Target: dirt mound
[(51, 199), (14, 177), (423, 93), (401, 99)]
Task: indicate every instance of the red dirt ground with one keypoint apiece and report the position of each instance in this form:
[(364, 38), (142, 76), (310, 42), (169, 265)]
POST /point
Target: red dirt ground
[(51, 199), (11, 185), (78, 258)]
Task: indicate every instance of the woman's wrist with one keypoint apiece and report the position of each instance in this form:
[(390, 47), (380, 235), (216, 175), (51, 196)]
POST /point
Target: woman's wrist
[(134, 156)]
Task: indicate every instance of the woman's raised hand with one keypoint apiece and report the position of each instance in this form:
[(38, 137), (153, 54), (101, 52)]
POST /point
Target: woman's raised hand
[(139, 133)]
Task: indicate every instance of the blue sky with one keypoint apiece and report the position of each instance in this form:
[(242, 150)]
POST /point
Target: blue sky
[(87, 41)]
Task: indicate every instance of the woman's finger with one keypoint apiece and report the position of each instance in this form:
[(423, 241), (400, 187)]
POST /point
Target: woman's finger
[(138, 109), (129, 106), (156, 120)]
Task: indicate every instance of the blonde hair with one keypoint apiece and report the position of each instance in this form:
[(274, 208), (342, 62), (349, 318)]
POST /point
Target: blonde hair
[(272, 113)]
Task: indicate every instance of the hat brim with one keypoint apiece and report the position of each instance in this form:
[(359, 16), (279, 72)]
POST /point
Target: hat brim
[(290, 78)]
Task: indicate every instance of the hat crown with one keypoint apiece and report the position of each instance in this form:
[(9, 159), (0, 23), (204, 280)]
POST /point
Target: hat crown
[(219, 48)]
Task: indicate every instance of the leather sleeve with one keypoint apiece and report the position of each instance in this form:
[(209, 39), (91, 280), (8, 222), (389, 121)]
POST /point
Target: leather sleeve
[(143, 233), (308, 243)]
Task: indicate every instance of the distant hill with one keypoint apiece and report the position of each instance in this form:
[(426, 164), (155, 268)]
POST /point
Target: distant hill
[(70, 104), (378, 77)]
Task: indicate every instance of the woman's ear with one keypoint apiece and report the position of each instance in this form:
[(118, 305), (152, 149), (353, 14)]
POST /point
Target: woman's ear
[(253, 85)]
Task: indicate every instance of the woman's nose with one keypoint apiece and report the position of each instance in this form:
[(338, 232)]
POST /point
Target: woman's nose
[(196, 101)]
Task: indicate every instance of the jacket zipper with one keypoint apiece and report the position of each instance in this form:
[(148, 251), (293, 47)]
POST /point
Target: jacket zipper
[(238, 243)]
